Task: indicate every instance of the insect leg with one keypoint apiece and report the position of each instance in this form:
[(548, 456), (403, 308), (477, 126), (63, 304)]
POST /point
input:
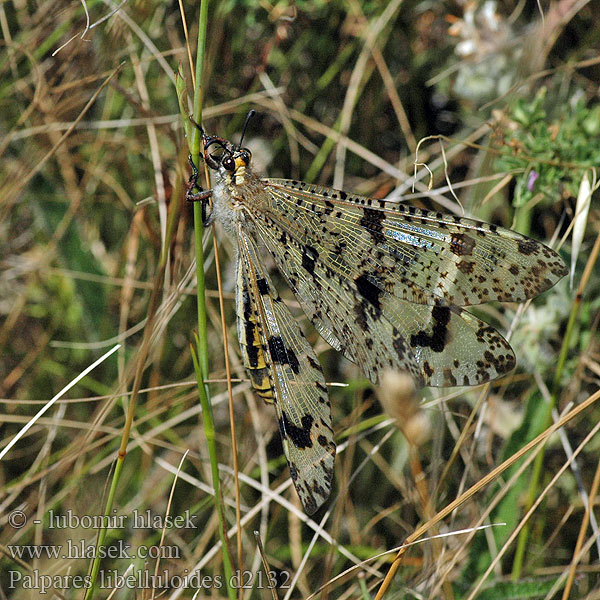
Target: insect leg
[(203, 196)]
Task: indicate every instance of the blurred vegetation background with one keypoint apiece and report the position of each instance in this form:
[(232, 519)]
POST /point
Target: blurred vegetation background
[(94, 160)]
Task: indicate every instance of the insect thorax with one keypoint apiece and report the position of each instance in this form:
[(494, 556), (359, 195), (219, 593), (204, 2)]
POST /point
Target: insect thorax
[(236, 196)]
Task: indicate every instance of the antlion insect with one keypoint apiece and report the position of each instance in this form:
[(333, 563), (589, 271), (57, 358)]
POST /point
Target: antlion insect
[(381, 282)]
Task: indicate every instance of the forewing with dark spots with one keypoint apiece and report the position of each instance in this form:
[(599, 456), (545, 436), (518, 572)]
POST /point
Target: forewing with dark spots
[(438, 345), (417, 255), (283, 369)]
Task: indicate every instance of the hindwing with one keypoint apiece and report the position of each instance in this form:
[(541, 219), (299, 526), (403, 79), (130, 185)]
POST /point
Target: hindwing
[(284, 370)]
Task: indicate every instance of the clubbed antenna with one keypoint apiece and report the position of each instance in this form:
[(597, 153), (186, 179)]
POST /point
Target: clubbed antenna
[(250, 114)]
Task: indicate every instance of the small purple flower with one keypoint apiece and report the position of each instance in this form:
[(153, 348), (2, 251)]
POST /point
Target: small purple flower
[(533, 175)]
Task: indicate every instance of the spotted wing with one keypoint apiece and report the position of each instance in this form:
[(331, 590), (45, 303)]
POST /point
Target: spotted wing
[(416, 255), (284, 370), (438, 345), (346, 270)]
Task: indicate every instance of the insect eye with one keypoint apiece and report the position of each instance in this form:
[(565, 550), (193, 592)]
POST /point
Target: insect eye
[(246, 155), (216, 152), (228, 163)]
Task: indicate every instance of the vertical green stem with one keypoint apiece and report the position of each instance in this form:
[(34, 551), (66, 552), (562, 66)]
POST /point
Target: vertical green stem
[(198, 225), (201, 363), (209, 432), (523, 220), (102, 532)]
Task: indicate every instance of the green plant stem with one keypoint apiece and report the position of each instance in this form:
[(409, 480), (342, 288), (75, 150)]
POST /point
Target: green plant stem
[(201, 360), (195, 144), (102, 532), (523, 220), (210, 434)]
